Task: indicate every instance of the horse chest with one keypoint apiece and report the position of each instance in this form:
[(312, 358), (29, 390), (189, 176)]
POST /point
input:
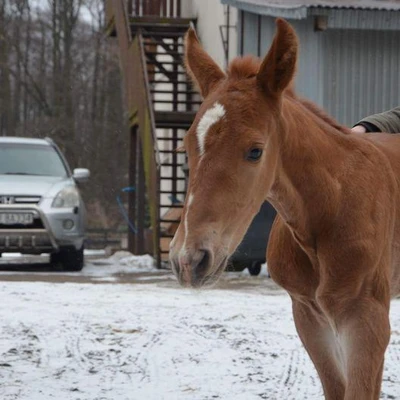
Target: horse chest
[(298, 280), (289, 264)]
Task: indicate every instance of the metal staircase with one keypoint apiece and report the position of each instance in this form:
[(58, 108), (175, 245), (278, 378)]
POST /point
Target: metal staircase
[(161, 104)]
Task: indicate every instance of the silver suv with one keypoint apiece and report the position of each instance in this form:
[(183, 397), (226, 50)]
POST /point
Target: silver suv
[(41, 210)]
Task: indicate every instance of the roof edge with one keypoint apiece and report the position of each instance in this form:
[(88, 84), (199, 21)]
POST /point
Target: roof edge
[(295, 12)]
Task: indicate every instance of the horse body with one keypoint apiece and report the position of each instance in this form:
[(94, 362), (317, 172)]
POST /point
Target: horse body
[(341, 254), (335, 244), (389, 144), (347, 205)]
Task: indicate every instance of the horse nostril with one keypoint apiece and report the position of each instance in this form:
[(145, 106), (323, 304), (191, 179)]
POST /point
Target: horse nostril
[(204, 261), (192, 266)]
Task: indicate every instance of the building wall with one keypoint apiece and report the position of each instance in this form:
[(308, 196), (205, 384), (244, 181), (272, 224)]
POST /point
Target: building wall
[(211, 15), (349, 72), (361, 72)]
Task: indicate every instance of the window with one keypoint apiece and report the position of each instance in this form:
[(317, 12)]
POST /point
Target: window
[(30, 159)]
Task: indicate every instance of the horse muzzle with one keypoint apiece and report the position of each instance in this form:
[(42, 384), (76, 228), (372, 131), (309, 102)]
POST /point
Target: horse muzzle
[(197, 267)]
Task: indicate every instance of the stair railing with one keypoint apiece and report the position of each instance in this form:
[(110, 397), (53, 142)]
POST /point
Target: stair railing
[(161, 8), (140, 109)]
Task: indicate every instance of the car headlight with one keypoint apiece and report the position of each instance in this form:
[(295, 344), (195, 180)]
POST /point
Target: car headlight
[(66, 198)]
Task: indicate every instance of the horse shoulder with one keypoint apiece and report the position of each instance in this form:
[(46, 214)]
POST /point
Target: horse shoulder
[(288, 264)]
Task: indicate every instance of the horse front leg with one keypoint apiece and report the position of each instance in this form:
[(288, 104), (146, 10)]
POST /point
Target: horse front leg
[(366, 333), (318, 338), (363, 333)]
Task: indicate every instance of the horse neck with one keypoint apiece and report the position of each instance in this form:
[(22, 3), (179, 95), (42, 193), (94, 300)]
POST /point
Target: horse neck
[(306, 185)]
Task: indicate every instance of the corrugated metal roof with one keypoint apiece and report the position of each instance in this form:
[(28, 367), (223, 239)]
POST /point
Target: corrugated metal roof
[(300, 9), (293, 4)]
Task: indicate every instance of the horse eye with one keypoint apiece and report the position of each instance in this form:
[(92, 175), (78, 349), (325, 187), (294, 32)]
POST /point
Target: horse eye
[(254, 154)]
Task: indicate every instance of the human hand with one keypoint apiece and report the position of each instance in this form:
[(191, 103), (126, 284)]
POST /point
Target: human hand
[(358, 129)]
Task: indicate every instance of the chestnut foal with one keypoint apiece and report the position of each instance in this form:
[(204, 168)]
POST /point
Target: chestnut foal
[(335, 244)]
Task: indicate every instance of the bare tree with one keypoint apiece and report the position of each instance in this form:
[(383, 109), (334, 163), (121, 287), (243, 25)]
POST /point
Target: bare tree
[(59, 77)]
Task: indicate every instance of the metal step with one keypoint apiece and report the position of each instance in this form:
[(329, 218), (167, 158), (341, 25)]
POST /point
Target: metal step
[(183, 117), (167, 30), (159, 53), (171, 125), (168, 23), (163, 81), (189, 92), (171, 205), (172, 192), (171, 164), (171, 152), (167, 139), (166, 178), (166, 35), (172, 102), (155, 62), (149, 41)]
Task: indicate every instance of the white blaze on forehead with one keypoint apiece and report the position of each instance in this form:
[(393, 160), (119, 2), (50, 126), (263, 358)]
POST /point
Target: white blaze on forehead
[(210, 117)]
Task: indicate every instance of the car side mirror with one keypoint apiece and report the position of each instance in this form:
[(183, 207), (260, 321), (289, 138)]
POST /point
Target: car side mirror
[(81, 174)]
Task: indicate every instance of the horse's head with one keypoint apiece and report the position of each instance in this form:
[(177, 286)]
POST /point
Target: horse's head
[(231, 153)]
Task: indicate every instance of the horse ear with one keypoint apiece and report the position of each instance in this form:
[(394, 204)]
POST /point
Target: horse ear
[(279, 66), (203, 70)]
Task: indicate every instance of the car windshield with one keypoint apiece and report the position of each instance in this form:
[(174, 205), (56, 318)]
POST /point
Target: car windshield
[(30, 159)]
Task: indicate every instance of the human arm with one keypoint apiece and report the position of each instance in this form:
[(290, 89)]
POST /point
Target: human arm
[(388, 121)]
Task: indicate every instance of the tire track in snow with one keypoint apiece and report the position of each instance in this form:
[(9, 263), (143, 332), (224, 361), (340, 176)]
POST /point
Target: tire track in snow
[(149, 360), (391, 377), (101, 358), (188, 346), (21, 351)]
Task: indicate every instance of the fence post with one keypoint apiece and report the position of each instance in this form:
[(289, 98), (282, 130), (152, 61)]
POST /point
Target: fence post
[(141, 200), (133, 151)]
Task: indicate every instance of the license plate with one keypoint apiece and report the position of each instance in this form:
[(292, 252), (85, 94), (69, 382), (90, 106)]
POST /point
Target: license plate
[(16, 218)]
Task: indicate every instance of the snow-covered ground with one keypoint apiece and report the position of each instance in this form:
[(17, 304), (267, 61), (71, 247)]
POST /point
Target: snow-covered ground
[(112, 341)]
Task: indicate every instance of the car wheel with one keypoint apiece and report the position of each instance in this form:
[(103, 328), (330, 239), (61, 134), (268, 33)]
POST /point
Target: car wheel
[(255, 268), (69, 258)]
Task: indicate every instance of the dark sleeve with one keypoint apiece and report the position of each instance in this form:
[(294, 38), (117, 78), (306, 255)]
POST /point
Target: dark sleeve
[(388, 121)]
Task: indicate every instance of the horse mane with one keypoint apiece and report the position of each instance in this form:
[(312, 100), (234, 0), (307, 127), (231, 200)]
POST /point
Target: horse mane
[(321, 114), (247, 67)]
